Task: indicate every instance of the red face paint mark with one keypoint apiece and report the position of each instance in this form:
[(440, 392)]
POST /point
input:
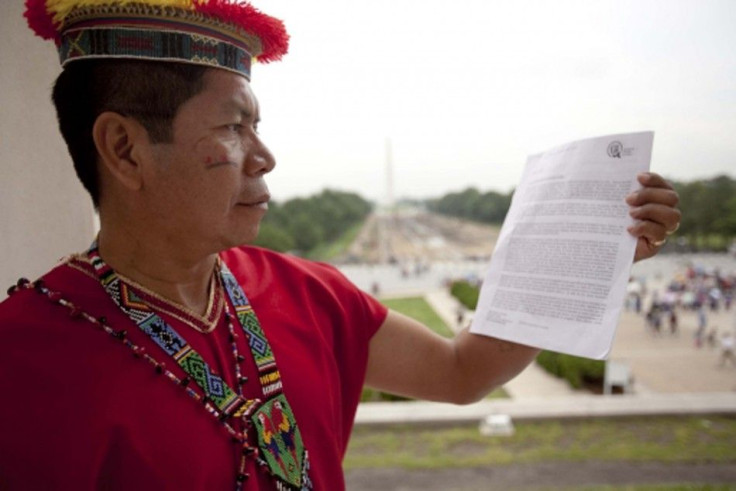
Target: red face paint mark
[(208, 161)]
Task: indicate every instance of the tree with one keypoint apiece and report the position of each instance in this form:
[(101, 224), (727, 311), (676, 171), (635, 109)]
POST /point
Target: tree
[(273, 237), (304, 223), (708, 209), (490, 207), (306, 232)]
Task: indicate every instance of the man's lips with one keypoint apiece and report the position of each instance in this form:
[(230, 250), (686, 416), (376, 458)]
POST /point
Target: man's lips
[(259, 202)]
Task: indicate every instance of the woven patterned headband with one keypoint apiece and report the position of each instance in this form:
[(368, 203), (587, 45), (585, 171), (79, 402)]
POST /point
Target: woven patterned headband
[(225, 34)]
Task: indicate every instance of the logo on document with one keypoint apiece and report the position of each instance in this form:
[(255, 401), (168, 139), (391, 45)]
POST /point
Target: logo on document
[(615, 149)]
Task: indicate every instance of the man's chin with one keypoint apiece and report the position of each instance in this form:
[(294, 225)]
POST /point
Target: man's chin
[(243, 239)]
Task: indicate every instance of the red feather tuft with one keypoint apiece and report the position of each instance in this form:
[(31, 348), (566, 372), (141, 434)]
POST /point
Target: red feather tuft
[(269, 30), (40, 21)]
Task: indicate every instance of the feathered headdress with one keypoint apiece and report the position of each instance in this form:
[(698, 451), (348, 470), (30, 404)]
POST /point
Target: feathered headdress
[(220, 33)]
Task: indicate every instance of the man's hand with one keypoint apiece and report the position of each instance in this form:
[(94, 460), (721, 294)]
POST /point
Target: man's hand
[(654, 209)]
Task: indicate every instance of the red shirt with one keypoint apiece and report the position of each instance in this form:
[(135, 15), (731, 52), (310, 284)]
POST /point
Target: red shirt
[(79, 411)]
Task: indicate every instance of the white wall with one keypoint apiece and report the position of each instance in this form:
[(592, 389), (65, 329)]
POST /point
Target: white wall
[(45, 213)]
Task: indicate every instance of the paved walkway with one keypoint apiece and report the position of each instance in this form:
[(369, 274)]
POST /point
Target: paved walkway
[(548, 476), (572, 406), (670, 376)]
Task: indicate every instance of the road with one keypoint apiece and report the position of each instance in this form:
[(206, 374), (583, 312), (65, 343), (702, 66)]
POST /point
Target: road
[(409, 236), (411, 252)]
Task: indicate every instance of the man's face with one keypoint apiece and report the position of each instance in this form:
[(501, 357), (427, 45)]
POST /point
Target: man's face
[(206, 188)]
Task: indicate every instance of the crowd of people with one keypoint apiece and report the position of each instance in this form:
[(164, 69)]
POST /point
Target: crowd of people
[(698, 291)]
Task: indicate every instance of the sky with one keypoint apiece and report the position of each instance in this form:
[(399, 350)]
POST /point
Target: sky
[(463, 91)]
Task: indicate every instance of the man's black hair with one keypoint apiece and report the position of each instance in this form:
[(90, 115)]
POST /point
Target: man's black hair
[(150, 92)]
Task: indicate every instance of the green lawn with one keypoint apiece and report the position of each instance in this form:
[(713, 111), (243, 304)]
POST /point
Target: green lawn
[(658, 487), (329, 250), (662, 439)]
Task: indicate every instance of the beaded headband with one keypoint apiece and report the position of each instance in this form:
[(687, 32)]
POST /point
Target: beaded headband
[(225, 34)]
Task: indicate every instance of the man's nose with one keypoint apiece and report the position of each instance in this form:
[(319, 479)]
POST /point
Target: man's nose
[(259, 160)]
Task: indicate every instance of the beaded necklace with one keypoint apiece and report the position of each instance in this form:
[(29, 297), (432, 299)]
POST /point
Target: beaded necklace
[(281, 451), (205, 323)]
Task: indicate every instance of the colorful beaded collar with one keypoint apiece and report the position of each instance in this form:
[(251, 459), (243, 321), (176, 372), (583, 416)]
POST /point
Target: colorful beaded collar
[(281, 451)]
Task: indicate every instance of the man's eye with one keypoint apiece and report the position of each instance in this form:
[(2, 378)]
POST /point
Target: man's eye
[(235, 128)]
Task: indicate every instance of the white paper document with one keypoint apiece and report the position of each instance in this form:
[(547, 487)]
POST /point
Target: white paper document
[(558, 275)]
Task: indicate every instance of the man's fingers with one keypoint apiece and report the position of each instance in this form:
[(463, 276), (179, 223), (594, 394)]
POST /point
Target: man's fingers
[(654, 180), (655, 202), (654, 223), (653, 232), (664, 215), (663, 196), (653, 208), (651, 236)]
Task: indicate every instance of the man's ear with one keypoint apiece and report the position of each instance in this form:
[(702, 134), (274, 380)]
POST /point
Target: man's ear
[(119, 140)]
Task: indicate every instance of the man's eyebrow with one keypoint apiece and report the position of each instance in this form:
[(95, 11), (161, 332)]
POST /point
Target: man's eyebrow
[(244, 112)]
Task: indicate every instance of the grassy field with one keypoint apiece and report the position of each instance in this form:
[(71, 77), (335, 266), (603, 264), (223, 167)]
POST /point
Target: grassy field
[(332, 249), (661, 439), (661, 487)]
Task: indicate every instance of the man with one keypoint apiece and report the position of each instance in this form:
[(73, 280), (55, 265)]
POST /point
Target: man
[(169, 355)]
